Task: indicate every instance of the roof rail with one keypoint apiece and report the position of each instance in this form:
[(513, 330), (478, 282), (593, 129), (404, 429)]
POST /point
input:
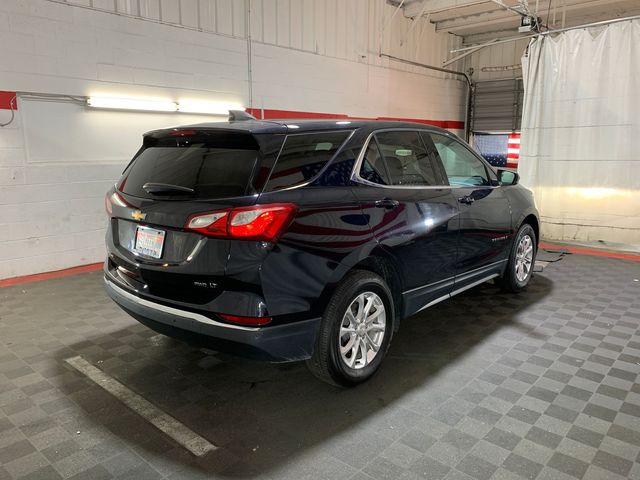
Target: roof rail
[(240, 115)]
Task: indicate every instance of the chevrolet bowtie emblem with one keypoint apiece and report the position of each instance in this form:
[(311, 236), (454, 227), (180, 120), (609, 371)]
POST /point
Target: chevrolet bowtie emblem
[(138, 215)]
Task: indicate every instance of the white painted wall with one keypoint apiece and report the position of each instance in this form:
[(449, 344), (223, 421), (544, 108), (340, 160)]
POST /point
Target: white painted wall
[(57, 159)]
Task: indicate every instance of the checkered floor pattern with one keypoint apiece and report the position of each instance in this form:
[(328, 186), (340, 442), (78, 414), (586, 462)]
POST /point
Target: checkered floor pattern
[(540, 385)]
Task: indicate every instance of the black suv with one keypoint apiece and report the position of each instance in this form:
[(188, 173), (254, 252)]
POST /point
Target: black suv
[(309, 240)]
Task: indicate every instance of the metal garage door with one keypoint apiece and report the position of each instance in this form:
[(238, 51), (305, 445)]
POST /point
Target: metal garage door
[(497, 106)]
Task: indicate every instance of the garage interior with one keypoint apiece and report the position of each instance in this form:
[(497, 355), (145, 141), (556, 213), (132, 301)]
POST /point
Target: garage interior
[(542, 384)]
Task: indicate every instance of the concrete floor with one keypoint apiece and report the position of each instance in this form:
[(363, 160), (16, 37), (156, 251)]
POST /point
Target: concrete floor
[(487, 385)]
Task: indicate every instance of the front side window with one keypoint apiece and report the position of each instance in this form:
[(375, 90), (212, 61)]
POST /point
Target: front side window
[(463, 168), (400, 158), (303, 156)]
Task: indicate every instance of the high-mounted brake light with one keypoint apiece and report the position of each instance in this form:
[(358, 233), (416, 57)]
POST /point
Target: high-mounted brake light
[(258, 222), (181, 133)]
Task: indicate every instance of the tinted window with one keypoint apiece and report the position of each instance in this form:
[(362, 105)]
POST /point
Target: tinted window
[(303, 156), (338, 173), (463, 168), (407, 160), (373, 168), (214, 167)]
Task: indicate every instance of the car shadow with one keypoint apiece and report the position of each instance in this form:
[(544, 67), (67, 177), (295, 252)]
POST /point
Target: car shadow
[(267, 419)]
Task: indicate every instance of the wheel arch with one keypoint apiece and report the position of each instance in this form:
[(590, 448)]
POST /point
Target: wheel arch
[(381, 264), (386, 268), (532, 220)]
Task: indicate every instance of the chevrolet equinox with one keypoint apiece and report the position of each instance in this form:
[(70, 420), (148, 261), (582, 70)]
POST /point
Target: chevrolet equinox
[(309, 240)]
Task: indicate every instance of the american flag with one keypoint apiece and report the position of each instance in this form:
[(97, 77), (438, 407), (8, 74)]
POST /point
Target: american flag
[(513, 150), (499, 150)]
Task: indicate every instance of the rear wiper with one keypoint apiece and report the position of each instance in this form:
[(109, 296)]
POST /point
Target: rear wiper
[(166, 189)]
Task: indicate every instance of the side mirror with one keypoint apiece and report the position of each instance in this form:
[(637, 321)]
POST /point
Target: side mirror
[(508, 177)]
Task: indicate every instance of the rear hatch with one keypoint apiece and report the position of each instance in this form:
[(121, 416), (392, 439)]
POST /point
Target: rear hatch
[(176, 174)]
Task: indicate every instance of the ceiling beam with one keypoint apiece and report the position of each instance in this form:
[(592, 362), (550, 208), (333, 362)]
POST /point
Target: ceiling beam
[(412, 8), (483, 21), (492, 22)]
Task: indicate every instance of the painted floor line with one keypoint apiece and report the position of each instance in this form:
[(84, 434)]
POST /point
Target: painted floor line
[(164, 422)]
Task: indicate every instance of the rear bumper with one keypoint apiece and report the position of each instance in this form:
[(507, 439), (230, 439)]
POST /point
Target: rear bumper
[(280, 343)]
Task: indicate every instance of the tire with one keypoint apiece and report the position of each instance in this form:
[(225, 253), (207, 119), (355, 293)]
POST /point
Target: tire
[(516, 276), (328, 363)]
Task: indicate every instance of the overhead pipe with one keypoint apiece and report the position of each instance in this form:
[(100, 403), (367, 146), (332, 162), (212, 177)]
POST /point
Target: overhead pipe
[(469, 52), (550, 32), (466, 76)]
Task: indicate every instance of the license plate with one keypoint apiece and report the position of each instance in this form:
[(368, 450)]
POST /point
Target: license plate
[(149, 242)]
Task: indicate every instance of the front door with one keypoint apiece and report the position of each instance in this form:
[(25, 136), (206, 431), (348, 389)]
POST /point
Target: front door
[(485, 213), (411, 211)]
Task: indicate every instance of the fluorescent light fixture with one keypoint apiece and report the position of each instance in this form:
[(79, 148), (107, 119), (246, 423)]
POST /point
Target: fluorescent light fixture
[(204, 106), (132, 104)]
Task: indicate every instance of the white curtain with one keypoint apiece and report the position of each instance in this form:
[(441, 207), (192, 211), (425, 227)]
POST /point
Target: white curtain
[(580, 144)]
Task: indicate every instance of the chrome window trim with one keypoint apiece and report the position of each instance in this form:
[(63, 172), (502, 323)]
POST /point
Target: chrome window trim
[(355, 172), (171, 310), (322, 170)]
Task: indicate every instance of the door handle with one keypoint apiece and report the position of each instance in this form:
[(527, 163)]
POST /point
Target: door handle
[(467, 200), (387, 203)]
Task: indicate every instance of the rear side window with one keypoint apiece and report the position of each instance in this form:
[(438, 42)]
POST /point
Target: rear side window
[(213, 165), (401, 158), (373, 167), (303, 156)]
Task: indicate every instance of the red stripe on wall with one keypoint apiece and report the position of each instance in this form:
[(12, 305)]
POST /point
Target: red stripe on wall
[(8, 101), (452, 124), (39, 277), (268, 114)]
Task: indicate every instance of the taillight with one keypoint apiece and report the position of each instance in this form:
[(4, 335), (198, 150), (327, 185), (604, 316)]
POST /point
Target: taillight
[(252, 321), (107, 205), (259, 222), (111, 199)]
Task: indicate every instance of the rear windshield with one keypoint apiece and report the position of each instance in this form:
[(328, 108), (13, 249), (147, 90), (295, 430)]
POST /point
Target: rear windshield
[(302, 157), (213, 165)]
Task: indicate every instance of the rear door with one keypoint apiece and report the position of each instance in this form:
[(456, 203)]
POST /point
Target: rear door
[(485, 213), (411, 211)]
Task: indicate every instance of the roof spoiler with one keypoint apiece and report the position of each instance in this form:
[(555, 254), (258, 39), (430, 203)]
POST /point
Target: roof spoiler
[(240, 115)]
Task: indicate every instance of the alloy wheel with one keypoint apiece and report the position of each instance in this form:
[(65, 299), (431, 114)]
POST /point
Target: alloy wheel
[(524, 258), (362, 330)]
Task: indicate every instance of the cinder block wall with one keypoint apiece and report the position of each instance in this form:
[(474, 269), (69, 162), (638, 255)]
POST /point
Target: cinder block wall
[(58, 158)]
